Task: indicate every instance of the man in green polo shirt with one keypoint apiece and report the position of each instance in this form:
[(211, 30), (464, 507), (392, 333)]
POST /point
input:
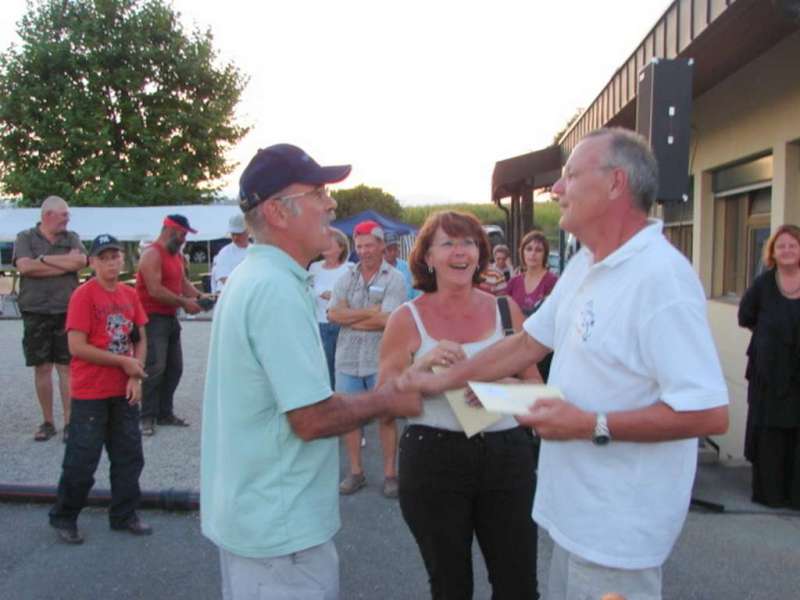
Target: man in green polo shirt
[(270, 461), (48, 258)]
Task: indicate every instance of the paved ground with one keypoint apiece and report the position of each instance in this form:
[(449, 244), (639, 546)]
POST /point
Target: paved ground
[(746, 553)]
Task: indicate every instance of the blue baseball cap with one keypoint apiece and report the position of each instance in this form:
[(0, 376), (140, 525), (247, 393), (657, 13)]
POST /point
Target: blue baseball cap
[(277, 167), (102, 242)]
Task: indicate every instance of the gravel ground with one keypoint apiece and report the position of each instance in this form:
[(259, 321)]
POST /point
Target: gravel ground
[(172, 456), (748, 552)]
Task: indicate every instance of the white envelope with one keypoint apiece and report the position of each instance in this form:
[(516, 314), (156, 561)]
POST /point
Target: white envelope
[(512, 398), (473, 419)]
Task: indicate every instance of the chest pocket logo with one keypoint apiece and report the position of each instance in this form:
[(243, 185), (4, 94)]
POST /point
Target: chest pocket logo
[(586, 321)]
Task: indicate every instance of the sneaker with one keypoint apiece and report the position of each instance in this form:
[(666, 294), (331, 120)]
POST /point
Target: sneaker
[(172, 421), (135, 526), (390, 487), (352, 483), (45, 432), (69, 535), (148, 426)]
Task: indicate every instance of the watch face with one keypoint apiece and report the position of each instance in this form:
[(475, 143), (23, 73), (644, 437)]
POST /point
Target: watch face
[(601, 440)]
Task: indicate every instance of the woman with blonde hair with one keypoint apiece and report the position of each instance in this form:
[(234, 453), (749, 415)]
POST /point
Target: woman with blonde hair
[(326, 273), (770, 308), (454, 487)]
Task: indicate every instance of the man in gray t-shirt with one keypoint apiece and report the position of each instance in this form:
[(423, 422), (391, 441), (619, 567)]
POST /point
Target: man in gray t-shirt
[(48, 258)]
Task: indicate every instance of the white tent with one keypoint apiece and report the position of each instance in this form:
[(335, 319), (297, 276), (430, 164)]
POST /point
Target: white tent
[(130, 224)]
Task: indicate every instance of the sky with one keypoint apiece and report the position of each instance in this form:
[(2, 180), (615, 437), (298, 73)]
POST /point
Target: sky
[(422, 97)]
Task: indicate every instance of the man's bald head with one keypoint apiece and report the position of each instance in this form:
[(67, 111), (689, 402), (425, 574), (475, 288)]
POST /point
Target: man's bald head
[(54, 203), (55, 215)]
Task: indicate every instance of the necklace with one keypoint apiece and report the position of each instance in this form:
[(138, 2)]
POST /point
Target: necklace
[(790, 293)]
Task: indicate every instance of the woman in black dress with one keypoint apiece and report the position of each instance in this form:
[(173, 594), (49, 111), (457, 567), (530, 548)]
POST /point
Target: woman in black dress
[(770, 308)]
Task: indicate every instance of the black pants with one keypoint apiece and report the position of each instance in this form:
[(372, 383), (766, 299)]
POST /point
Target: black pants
[(111, 422), (164, 366), (776, 466), (452, 487)]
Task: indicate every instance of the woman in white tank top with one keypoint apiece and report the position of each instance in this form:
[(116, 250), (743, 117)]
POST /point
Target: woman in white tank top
[(453, 487)]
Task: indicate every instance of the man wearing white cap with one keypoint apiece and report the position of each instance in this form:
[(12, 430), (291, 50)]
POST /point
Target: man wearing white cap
[(231, 255)]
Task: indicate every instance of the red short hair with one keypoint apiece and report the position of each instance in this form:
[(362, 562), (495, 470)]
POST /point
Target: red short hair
[(769, 247), (456, 224)]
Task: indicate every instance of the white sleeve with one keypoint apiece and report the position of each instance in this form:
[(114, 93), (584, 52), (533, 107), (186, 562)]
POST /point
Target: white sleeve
[(677, 346)]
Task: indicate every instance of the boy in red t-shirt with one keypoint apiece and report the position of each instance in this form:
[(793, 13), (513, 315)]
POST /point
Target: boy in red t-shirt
[(105, 330)]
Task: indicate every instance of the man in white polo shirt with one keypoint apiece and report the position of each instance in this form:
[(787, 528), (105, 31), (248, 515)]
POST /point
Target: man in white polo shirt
[(270, 455), (639, 372), (229, 257)]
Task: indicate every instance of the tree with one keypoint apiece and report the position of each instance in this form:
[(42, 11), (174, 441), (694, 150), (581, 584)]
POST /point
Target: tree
[(354, 200), (110, 102)]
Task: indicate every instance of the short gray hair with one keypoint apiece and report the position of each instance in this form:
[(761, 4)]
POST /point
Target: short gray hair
[(53, 203), (257, 223), (631, 152)]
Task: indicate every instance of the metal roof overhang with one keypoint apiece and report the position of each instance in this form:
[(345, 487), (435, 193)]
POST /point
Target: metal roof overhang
[(534, 170), (720, 35)]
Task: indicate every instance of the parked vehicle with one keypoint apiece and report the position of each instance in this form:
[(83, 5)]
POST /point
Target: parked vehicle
[(496, 234)]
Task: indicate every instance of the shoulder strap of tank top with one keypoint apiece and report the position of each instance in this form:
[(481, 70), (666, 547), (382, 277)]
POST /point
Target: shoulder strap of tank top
[(505, 315), (417, 319)]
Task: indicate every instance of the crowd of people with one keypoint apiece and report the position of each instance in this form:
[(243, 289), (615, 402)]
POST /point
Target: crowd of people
[(306, 347), (115, 349), (617, 455)]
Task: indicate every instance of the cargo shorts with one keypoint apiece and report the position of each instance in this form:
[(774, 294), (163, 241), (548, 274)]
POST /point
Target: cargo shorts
[(44, 339)]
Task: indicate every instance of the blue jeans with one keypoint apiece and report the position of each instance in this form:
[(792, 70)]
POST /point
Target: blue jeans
[(94, 423), (329, 332), (351, 384), (164, 366)]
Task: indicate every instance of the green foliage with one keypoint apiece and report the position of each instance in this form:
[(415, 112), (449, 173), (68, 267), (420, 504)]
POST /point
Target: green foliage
[(545, 218), (545, 215), (354, 200), (485, 213), (110, 102)]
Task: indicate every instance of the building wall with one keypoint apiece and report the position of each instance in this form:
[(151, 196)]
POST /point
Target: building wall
[(755, 110)]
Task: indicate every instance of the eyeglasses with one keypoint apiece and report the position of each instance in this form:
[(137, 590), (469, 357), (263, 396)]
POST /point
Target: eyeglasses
[(466, 243), (320, 194)]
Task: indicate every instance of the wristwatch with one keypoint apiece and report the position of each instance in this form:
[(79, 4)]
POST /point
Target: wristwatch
[(601, 435)]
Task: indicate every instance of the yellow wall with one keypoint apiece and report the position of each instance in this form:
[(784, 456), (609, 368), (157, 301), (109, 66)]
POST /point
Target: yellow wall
[(757, 109)]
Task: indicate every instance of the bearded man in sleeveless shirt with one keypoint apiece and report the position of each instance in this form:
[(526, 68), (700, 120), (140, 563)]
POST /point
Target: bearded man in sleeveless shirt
[(163, 288)]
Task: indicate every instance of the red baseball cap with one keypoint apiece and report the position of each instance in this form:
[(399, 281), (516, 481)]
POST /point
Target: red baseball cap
[(369, 227), (178, 222)]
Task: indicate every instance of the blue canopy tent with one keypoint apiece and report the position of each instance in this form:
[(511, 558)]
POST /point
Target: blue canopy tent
[(406, 232), (347, 225)]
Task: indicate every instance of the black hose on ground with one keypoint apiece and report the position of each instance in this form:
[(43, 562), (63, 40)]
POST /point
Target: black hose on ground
[(169, 499)]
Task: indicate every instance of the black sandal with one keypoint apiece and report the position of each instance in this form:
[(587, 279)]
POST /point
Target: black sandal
[(45, 432)]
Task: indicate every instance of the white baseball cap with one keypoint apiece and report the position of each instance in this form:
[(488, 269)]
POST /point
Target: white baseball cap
[(236, 224)]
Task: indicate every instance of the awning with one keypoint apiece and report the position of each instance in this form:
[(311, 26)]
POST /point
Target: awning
[(136, 223), (534, 170)]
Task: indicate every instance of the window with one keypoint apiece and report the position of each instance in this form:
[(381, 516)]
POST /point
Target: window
[(741, 223), (678, 223), (742, 207)]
